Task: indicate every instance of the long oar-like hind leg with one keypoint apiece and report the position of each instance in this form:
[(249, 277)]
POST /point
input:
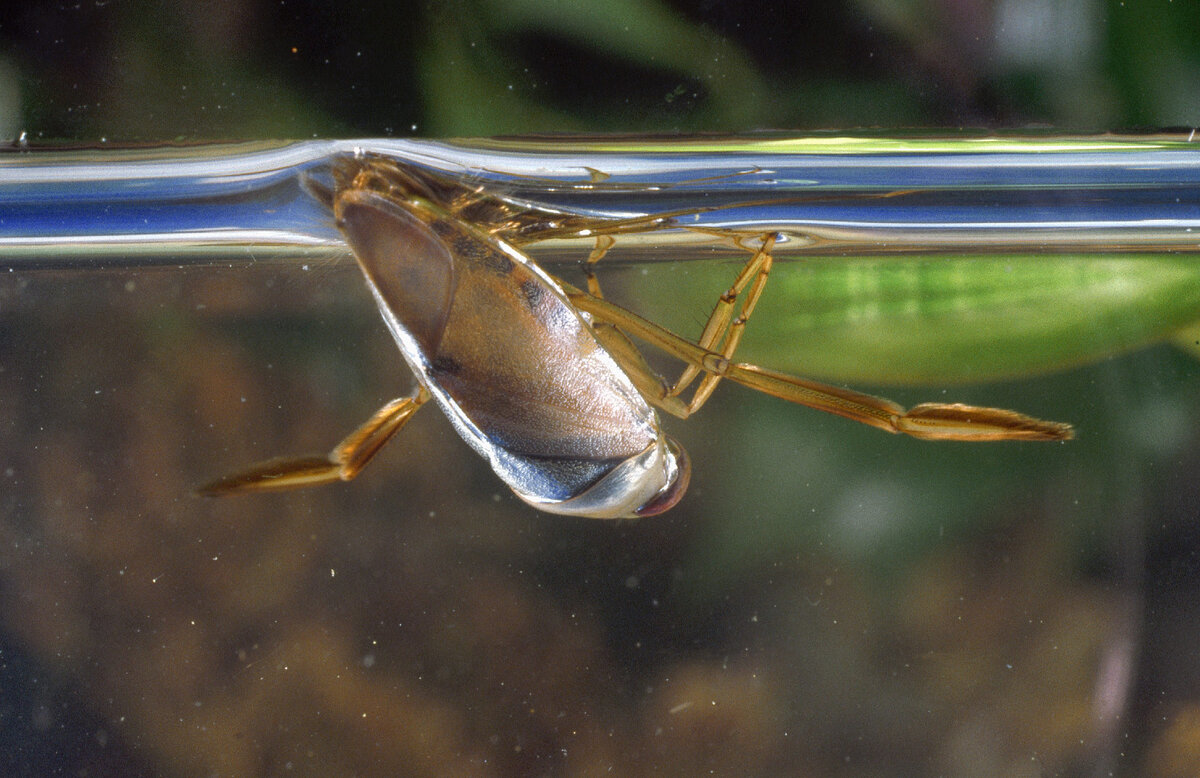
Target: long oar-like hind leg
[(931, 421), (343, 463)]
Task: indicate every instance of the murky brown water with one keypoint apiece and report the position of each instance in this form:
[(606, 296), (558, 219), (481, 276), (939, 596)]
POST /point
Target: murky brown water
[(827, 600)]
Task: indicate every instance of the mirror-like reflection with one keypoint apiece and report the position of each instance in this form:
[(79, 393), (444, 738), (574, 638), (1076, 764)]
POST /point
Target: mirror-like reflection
[(822, 194)]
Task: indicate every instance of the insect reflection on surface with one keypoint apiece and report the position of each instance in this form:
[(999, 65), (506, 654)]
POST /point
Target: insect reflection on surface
[(543, 379)]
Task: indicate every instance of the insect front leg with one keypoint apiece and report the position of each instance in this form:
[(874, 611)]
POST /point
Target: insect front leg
[(603, 244), (343, 463)]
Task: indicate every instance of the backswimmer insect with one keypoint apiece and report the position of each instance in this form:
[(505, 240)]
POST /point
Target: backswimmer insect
[(543, 379)]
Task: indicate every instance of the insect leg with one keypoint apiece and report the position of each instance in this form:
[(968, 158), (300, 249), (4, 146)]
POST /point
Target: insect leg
[(603, 244), (930, 421), (719, 327), (620, 347), (722, 332), (343, 463)]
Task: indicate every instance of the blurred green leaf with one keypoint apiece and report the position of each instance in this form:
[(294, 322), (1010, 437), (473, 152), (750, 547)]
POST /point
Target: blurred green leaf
[(532, 66), (943, 319)]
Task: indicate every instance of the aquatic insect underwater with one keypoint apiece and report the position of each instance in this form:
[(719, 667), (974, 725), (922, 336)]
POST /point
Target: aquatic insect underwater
[(543, 379)]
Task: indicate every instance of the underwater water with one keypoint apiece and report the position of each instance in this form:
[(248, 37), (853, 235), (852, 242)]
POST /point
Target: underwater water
[(827, 599)]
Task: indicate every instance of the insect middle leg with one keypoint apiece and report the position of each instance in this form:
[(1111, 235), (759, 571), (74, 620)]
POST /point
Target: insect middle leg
[(343, 463), (722, 332)]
